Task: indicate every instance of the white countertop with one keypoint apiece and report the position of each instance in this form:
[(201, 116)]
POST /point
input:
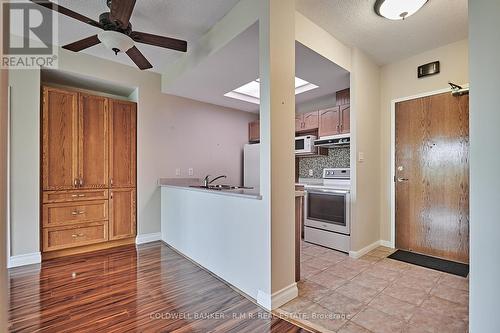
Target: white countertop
[(187, 183)]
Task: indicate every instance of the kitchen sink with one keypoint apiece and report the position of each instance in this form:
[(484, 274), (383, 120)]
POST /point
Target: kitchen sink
[(222, 187)]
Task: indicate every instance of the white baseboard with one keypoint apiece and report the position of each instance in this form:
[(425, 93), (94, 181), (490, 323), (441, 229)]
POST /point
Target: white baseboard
[(148, 238), (279, 298), (386, 243), (365, 250), (24, 259)]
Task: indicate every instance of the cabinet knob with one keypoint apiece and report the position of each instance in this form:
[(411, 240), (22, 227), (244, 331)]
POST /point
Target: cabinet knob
[(81, 181), (74, 213), (75, 182)]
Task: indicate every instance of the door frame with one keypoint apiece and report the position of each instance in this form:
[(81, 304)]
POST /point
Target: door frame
[(392, 184)]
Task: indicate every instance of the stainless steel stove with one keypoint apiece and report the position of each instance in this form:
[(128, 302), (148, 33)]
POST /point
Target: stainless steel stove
[(328, 210)]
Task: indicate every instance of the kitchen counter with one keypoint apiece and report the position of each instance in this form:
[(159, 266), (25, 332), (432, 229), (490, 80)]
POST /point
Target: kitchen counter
[(187, 183)]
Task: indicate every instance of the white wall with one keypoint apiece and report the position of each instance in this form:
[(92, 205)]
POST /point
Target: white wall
[(484, 27), (173, 133), (400, 80)]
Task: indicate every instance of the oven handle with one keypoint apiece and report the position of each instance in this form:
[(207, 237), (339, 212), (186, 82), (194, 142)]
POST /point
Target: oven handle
[(326, 191)]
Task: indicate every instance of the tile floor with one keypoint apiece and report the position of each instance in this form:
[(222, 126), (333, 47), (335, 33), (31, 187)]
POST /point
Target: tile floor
[(376, 294)]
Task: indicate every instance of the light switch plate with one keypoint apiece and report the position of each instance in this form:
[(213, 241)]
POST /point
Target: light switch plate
[(190, 172), (361, 157), (178, 172)]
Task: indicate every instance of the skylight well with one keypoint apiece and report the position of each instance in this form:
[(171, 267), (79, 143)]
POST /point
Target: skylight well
[(250, 92)]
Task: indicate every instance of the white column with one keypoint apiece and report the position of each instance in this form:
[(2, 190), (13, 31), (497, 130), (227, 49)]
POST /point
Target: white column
[(484, 28), (277, 125)]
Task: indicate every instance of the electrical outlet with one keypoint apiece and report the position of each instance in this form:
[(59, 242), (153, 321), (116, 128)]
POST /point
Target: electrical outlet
[(361, 157), (190, 172), (311, 172), (178, 172)]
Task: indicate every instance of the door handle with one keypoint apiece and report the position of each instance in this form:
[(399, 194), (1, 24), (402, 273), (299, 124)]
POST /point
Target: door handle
[(81, 182), (75, 182), (400, 180)]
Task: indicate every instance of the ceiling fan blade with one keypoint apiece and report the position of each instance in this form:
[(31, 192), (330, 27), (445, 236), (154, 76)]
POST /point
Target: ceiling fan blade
[(138, 58), (121, 10), (161, 41), (82, 44), (67, 12)]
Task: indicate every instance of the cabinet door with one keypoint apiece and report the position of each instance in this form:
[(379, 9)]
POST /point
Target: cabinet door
[(254, 131), (345, 115), (122, 209), (299, 122), (122, 143), (329, 121), (59, 139), (93, 142), (311, 121)]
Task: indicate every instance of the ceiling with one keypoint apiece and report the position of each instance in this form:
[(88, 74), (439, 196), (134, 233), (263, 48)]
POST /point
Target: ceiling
[(182, 19), (238, 63), (355, 23)]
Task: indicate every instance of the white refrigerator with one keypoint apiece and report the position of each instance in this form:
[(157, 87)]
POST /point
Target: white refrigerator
[(251, 165)]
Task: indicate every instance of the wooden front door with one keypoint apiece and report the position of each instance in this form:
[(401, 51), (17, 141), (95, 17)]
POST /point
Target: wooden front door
[(432, 176), (59, 139), (93, 141), (122, 154)]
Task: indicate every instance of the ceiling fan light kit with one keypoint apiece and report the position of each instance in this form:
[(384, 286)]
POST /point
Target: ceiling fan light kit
[(116, 41), (117, 33), (398, 9)]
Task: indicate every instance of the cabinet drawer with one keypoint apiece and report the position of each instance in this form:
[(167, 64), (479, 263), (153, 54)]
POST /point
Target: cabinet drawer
[(58, 238), (74, 212), (68, 196)]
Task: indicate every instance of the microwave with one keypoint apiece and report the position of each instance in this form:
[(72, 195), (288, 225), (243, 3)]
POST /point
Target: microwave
[(304, 145)]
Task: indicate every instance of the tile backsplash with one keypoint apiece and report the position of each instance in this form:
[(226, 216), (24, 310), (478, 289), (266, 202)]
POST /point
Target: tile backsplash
[(336, 158)]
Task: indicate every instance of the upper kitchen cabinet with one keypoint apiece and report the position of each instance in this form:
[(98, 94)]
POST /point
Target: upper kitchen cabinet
[(345, 119), (93, 141), (307, 122), (343, 97), (122, 147), (329, 121), (254, 131), (59, 139)]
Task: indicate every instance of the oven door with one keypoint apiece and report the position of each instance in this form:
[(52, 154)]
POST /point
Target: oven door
[(328, 210)]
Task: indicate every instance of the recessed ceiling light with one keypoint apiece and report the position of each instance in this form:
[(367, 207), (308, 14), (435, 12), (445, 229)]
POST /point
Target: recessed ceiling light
[(250, 92), (398, 9)]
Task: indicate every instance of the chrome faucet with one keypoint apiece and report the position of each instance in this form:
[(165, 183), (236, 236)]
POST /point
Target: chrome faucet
[(207, 181)]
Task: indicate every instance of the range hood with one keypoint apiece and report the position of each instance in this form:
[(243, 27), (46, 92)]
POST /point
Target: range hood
[(333, 141)]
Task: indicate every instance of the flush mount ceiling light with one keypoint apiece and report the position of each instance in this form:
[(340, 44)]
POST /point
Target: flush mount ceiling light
[(398, 9), (250, 92)]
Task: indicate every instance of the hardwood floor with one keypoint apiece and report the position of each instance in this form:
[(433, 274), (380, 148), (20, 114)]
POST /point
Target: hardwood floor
[(150, 288)]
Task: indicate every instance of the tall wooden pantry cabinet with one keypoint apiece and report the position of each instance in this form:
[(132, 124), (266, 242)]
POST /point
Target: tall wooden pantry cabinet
[(88, 172)]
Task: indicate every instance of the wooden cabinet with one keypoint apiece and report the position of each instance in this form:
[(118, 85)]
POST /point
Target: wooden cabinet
[(88, 170), (329, 121), (59, 139), (343, 97), (93, 141), (122, 213), (254, 131), (64, 237), (345, 119), (306, 122), (122, 138), (334, 121)]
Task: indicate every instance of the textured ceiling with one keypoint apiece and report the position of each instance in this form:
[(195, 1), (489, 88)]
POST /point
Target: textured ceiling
[(355, 23), (238, 63), (183, 19)]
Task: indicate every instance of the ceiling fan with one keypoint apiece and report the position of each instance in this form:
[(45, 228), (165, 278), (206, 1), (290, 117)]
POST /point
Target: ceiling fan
[(117, 32)]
